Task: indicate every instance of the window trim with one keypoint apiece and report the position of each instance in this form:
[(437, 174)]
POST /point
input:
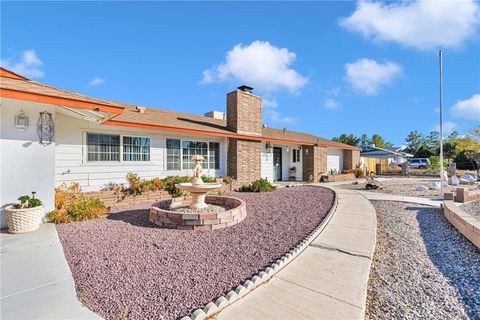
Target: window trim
[(121, 161), (181, 139)]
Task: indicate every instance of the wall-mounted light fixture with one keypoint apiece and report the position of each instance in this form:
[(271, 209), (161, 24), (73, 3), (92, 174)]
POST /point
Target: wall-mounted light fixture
[(21, 121), (269, 147), (287, 149)]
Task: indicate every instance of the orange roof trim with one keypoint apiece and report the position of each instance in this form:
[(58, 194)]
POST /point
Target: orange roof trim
[(60, 101), (9, 74)]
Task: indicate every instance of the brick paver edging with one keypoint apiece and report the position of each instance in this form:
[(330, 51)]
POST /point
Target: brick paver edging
[(263, 276), (162, 215), (465, 223)]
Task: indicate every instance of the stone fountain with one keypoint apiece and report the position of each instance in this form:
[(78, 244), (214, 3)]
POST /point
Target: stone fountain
[(197, 188), (200, 216)]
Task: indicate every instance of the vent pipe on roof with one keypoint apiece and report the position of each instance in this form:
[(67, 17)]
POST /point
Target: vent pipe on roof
[(140, 109)]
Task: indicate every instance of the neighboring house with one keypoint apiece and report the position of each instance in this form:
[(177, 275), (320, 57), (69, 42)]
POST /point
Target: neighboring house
[(98, 141), (394, 155)]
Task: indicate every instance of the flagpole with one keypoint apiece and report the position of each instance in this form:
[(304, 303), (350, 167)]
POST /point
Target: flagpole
[(441, 126)]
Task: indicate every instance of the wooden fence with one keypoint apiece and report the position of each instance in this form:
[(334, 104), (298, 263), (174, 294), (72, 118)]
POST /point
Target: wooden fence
[(370, 163)]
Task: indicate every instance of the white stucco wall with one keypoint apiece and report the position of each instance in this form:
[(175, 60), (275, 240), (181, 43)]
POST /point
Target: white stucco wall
[(71, 164), (25, 164), (266, 164)]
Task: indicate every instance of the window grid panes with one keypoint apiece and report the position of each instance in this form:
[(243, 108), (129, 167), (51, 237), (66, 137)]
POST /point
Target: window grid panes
[(214, 155), (173, 154), (296, 155), (136, 149), (192, 148), (103, 147)]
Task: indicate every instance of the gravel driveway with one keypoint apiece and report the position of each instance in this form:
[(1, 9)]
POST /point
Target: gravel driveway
[(125, 267), (422, 268), (472, 208), (405, 187)]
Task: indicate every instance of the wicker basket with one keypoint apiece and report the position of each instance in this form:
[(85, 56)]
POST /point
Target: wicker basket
[(23, 220)]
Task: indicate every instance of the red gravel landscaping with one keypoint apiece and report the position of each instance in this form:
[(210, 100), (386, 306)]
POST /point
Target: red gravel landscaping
[(126, 267)]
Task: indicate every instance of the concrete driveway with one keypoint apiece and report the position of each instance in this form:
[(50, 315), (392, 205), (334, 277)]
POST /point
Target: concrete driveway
[(36, 282)]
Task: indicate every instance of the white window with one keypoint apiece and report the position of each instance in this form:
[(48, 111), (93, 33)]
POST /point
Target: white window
[(173, 154), (103, 147), (182, 157), (136, 149)]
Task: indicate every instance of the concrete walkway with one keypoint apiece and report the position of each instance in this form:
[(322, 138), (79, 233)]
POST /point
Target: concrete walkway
[(36, 282), (328, 280)]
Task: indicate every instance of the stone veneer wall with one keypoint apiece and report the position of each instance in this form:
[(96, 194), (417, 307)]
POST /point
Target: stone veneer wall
[(244, 160), (314, 162), (462, 221), (351, 159), (111, 199), (244, 113)]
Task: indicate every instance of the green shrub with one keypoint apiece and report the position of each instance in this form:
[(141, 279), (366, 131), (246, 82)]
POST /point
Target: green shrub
[(261, 185), (435, 163), (170, 182)]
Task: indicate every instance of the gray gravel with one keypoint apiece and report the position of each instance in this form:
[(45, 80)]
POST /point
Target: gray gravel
[(125, 267), (422, 267), (209, 208), (405, 187), (472, 208)]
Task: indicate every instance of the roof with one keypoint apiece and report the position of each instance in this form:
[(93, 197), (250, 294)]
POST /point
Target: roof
[(17, 87), (370, 150)]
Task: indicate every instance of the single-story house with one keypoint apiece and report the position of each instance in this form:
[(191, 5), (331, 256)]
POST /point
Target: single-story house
[(51, 136), (394, 155)]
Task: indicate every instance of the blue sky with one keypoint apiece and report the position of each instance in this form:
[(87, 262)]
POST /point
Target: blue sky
[(322, 67)]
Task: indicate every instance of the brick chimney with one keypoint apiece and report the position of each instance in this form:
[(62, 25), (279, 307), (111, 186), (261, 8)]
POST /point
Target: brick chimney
[(244, 112), (244, 116)]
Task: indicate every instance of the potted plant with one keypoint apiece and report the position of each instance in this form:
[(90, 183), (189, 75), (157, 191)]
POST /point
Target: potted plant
[(24, 216)]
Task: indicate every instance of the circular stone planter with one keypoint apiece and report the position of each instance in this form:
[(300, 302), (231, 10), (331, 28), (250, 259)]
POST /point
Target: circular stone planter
[(23, 220), (160, 214)]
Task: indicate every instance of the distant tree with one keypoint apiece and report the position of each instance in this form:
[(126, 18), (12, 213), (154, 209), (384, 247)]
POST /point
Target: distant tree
[(449, 149), (347, 139), (378, 141), (468, 148), (423, 152), (364, 141), (432, 141), (414, 141)]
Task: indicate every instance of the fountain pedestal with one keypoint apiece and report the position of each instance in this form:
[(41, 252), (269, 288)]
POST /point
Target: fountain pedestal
[(198, 192)]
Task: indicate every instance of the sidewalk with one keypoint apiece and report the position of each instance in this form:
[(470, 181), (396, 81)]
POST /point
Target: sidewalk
[(36, 282), (328, 280)]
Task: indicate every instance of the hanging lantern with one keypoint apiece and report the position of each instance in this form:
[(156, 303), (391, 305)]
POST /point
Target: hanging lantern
[(21, 121), (45, 128), (269, 147)]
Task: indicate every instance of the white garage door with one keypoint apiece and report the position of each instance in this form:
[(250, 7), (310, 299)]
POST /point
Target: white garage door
[(334, 160)]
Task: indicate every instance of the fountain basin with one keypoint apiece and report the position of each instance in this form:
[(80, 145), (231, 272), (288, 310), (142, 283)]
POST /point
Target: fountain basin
[(198, 192), (162, 214)]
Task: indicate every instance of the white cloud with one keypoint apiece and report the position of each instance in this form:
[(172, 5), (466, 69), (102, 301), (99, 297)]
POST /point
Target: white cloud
[(269, 103), (275, 117), (96, 81), (419, 24), (29, 65), (448, 127), (260, 65), (468, 109), (369, 75), (331, 104)]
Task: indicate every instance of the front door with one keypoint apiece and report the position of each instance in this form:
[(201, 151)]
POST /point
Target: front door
[(277, 164)]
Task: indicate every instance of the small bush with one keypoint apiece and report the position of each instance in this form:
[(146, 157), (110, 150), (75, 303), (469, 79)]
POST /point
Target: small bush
[(170, 182), (136, 185), (27, 202), (261, 185), (71, 206)]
